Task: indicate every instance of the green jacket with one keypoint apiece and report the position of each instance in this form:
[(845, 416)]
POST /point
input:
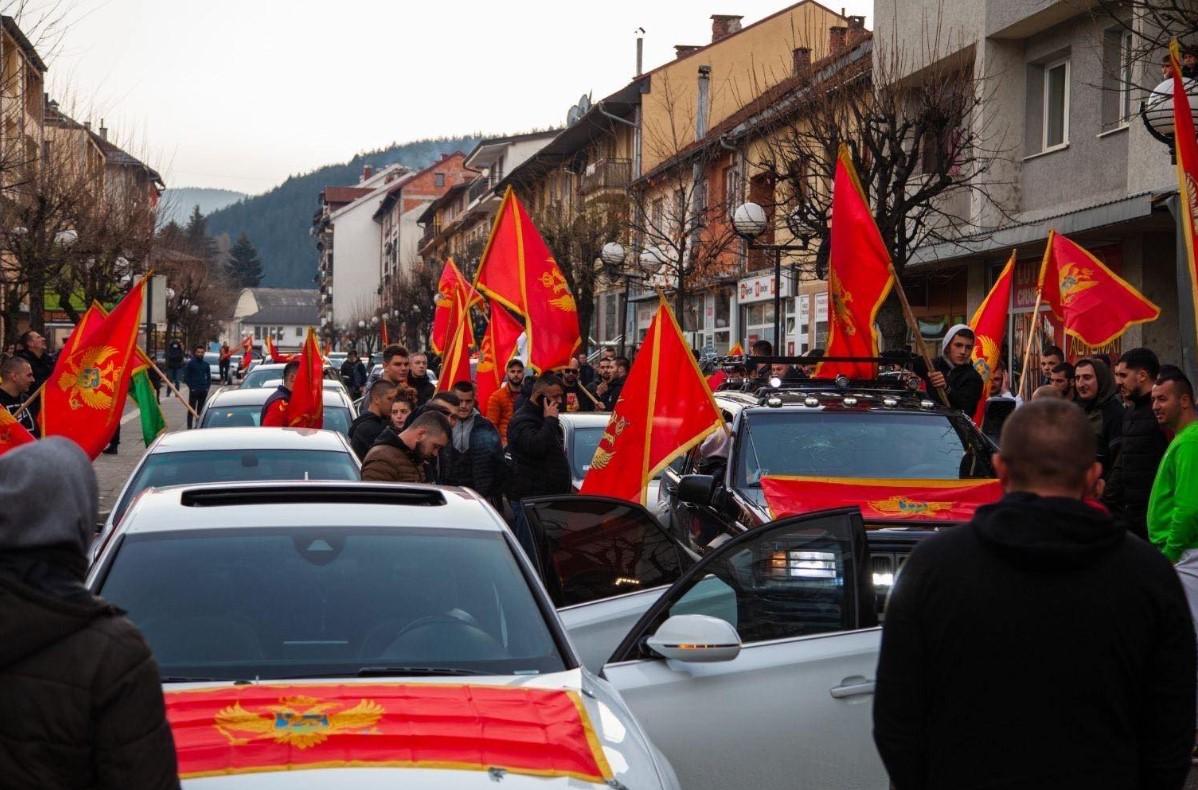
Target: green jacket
[(1173, 505)]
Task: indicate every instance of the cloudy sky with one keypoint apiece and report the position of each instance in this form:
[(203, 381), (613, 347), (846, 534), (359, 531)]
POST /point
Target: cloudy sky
[(242, 93)]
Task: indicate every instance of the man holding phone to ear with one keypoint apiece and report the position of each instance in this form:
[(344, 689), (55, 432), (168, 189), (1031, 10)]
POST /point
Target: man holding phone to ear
[(536, 443)]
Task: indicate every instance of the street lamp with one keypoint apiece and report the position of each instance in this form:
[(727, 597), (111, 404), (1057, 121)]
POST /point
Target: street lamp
[(750, 221), (1156, 111), (66, 238)]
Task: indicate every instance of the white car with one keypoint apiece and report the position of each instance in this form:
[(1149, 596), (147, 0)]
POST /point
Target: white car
[(238, 407), (262, 373), (581, 432), (750, 667)]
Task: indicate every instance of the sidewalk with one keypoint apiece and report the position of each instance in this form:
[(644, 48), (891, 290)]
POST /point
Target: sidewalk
[(113, 470)]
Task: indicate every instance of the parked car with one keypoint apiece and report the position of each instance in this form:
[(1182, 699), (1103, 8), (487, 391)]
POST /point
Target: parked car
[(259, 375), (582, 432), (213, 360), (241, 408)]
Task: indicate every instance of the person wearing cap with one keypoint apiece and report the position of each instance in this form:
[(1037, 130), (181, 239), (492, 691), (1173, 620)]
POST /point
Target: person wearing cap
[(81, 693), (954, 370)]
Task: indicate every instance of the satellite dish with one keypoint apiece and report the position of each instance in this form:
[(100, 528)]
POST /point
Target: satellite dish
[(584, 104), (573, 115)]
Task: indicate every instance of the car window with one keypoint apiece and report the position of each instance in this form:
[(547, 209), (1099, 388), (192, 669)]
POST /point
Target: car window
[(259, 375), (213, 466), (791, 582), (336, 418), (585, 440), (321, 602), (595, 548), (859, 444)]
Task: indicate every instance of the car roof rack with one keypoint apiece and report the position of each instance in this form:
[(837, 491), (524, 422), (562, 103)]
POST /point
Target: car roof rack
[(306, 493), (898, 380)]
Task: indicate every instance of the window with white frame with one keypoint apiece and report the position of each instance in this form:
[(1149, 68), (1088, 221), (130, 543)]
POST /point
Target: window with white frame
[(1056, 105), (1126, 75), (299, 331)]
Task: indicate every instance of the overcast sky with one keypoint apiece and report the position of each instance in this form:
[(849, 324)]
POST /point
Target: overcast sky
[(242, 93)]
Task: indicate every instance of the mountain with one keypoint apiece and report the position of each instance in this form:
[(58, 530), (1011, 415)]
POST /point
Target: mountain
[(277, 221), (177, 203)]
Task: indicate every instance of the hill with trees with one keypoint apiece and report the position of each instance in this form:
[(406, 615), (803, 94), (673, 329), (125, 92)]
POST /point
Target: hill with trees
[(277, 222), (177, 202)]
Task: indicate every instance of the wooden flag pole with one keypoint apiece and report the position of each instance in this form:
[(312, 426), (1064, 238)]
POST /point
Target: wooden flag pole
[(25, 406), (1032, 331), (913, 325), (174, 390)]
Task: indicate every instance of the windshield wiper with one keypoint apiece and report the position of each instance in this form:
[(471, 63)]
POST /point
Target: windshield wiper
[(371, 672)]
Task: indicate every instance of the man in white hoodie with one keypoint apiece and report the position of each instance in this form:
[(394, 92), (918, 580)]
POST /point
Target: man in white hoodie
[(954, 370)]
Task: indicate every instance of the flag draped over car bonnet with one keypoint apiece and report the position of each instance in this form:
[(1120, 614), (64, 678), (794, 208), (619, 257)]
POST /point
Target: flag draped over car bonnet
[(880, 498), (252, 729)]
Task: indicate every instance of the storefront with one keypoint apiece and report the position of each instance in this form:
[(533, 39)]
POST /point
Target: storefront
[(755, 297)]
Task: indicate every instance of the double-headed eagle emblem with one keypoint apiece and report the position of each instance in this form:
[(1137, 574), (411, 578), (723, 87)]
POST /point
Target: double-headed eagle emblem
[(603, 457), (903, 507), (555, 282), (1074, 279), (90, 378), (301, 722), (985, 351), (840, 303)]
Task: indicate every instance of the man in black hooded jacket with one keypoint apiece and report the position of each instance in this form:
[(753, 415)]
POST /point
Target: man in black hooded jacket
[(1096, 394), (1039, 646), (1142, 443), (79, 689)]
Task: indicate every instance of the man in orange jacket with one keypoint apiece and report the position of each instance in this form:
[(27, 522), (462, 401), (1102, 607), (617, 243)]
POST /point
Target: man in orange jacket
[(502, 403)]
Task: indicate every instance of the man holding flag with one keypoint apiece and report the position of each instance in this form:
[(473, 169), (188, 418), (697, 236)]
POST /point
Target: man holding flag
[(955, 372)]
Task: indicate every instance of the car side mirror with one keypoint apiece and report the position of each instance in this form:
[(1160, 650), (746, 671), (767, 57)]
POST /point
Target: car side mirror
[(696, 489), (696, 638)]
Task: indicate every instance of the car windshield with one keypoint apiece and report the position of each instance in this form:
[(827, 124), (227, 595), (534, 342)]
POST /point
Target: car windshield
[(215, 466), (859, 444), (585, 440), (260, 375), (299, 602), (336, 418)]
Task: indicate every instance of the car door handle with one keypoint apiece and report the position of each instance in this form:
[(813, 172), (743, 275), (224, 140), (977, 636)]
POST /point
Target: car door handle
[(858, 686)]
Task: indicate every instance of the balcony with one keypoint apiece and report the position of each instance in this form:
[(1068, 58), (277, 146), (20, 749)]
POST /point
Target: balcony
[(479, 189), (606, 174)]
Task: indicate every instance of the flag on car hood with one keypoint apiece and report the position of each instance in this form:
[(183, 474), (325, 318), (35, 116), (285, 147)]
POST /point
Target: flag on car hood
[(880, 499)]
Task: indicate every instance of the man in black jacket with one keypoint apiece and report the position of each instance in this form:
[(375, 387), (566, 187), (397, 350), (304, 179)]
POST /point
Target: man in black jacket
[(367, 426), (1097, 396), (955, 372), (1142, 443), (474, 456), (79, 686), (353, 374), (34, 350), (418, 378), (1038, 646), (536, 443)]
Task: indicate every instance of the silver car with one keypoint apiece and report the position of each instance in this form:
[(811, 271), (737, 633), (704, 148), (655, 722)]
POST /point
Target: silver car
[(262, 373), (232, 408)]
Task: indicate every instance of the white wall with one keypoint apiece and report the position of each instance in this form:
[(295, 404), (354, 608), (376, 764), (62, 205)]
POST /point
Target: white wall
[(356, 249)]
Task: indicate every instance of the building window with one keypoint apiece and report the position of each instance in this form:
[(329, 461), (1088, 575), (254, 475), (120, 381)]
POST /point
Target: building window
[(439, 179), (657, 214), (731, 190), (1118, 77), (299, 331), (257, 333), (1056, 105), (1126, 64)]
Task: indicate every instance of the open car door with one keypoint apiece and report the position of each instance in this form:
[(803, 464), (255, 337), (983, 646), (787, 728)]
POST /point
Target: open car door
[(604, 562), (757, 668)]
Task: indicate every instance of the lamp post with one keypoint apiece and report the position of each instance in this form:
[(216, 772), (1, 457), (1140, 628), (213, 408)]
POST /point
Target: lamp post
[(750, 221), (1156, 111)]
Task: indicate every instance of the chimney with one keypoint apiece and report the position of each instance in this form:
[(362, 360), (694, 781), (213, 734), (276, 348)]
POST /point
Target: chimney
[(856, 30), (682, 50), (836, 39), (367, 172), (724, 25), (802, 60), (103, 130), (87, 125)]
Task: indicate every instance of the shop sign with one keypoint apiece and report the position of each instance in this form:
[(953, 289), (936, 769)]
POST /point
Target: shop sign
[(760, 288)]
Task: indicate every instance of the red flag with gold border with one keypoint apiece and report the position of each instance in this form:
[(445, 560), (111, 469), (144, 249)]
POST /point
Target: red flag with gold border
[(499, 344), (989, 325), (455, 366), (305, 409), (665, 408), (880, 499), (1186, 146), (12, 433), (453, 289), (519, 271), (247, 356), (1095, 304), (85, 395), (859, 276)]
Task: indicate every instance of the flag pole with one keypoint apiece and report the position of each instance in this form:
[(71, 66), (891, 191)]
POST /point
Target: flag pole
[(1032, 331), (913, 325), (25, 406), (171, 386)]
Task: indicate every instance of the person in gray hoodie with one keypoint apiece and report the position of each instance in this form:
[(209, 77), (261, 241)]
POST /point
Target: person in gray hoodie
[(79, 688)]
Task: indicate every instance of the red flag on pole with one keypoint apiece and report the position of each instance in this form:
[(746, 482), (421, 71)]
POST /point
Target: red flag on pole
[(305, 409), (859, 278), (386, 341), (665, 408), (518, 271), (499, 343), (456, 365), (12, 433), (989, 325), (1186, 148), (247, 346), (452, 289), (1095, 304), (85, 395)]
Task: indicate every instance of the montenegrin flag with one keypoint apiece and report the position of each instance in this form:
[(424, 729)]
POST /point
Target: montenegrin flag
[(499, 343), (247, 347), (153, 423), (12, 433), (85, 395), (305, 409), (859, 276), (880, 499), (452, 290), (989, 325), (1095, 304), (1186, 147), (455, 366), (665, 409), (233, 730), (277, 356), (518, 271)]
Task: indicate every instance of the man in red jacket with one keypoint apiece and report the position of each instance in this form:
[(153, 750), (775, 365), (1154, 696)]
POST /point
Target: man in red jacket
[(274, 411)]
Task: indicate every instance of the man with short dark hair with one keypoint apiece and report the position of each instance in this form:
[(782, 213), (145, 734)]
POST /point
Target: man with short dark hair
[(16, 382), (1050, 357), (1173, 503), (34, 349), (197, 375), (353, 374), (396, 364), (274, 411), (1096, 395), (1141, 445), (537, 445), (502, 403), (954, 371), (367, 426), (586, 373), (1061, 377), (401, 458), (1039, 645), (475, 454)]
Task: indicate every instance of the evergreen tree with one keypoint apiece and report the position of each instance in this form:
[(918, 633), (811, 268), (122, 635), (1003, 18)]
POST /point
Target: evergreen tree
[(172, 236), (244, 267), (199, 243)]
